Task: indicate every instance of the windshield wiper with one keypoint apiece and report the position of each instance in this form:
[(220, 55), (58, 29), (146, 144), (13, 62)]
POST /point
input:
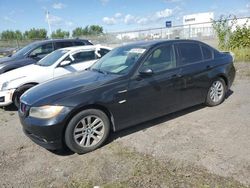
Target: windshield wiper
[(100, 71)]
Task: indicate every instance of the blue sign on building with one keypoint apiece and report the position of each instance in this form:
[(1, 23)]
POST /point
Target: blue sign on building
[(168, 23)]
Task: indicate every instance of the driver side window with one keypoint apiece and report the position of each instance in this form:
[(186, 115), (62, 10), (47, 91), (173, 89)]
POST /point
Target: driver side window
[(43, 49), (161, 59)]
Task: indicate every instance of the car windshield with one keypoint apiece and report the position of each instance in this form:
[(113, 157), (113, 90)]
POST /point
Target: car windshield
[(119, 60), (52, 58), (23, 51)]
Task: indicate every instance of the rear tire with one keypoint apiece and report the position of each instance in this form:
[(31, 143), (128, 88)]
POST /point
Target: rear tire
[(18, 93), (216, 93), (87, 131)]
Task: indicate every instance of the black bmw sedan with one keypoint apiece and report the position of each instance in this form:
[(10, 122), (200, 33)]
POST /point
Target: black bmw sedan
[(131, 84)]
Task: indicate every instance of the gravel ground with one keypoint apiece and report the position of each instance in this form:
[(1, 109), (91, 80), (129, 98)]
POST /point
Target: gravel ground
[(196, 147)]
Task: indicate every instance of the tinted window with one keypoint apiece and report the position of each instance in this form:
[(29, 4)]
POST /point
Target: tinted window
[(84, 56), (103, 51), (189, 53), (63, 44), (207, 52), (43, 49), (161, 59), (25, 50), (79, 43)]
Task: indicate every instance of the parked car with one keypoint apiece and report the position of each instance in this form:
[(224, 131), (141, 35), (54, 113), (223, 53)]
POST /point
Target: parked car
[(7, 51), (60, 62), (35, 51), (131, 84)]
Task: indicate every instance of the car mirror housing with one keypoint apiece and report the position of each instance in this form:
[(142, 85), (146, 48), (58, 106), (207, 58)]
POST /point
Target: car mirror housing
[(65, 63), (146, 72)]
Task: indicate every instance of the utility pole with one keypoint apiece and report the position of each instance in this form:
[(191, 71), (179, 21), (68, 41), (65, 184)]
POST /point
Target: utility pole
[(47, 18)]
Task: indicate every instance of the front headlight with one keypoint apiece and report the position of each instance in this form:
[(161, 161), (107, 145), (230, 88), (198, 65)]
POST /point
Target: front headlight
[(45, 112), (7, 83), (5, 86)]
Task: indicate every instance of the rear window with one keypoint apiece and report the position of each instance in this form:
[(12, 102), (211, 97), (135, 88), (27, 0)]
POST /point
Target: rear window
[(84, 56), (207, 52), (82, 42), (189, 53), (65, 44), (79, 43)]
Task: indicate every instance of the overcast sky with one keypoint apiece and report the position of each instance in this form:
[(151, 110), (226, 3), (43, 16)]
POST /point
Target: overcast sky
[(113, 15)]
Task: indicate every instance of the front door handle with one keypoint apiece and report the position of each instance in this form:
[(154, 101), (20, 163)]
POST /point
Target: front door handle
[(122, 91)]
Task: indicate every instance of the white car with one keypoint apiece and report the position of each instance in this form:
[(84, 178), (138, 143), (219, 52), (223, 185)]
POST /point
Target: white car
[(60, 62)]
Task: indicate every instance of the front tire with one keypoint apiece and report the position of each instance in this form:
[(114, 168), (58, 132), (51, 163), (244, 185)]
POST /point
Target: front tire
[(216, 93), (87, 131)]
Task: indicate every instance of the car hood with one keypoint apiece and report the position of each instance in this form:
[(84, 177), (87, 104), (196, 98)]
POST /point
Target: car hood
[(26, 71), (51, 91), (6, 59)]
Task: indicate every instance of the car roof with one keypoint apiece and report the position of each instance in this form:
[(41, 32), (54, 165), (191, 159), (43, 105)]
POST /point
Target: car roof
[(85, 47), (59, 40), (152, 43)]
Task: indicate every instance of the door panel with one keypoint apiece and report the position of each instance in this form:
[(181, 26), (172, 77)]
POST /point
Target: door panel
[(60, 71), (194, 71), (151, 96), (79, 62), (82, 65), (195, 80)]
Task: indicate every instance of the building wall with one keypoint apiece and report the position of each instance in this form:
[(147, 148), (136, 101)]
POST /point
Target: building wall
[(196, 25), (240, 23)]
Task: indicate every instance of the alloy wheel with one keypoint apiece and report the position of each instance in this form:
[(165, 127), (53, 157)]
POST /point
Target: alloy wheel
[(216, 91), (89, 131)]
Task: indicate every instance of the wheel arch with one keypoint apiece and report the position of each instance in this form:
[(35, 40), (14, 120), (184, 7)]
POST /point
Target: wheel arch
[(28, 83), (92, 106), (224, 77)]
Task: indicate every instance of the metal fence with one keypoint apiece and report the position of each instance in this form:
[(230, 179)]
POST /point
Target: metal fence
[(200, 31), (195, 31)]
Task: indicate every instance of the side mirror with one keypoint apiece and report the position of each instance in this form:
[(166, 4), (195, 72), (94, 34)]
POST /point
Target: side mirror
[(146, 72), (65, 63)]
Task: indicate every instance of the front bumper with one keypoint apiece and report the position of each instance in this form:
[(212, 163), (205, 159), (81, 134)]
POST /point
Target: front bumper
[(6, 97), (43, 142), (48, 133)]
